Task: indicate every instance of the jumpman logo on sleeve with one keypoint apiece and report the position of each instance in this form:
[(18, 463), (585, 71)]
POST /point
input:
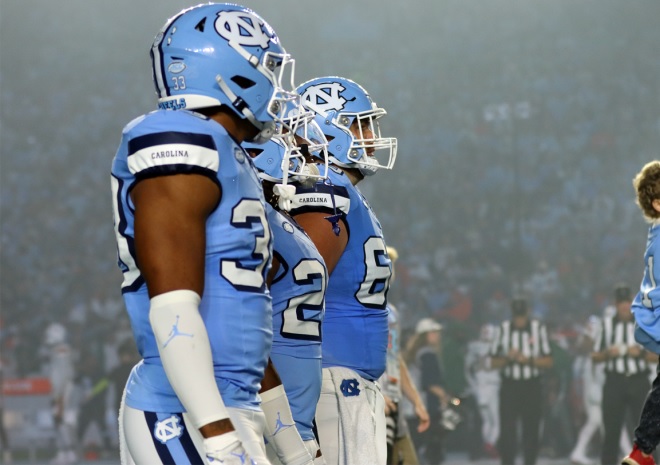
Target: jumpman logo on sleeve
[(175, 332), (280, 425)]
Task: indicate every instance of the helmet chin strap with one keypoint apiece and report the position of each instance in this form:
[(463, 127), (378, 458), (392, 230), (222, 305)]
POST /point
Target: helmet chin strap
[(265, 134), (368, 170), (266, 130), (284, 191)]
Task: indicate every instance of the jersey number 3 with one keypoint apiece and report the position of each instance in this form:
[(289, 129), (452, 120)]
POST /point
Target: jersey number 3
[(246, 214)]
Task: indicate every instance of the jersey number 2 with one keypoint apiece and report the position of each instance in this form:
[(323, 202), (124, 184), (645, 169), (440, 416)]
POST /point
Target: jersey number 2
[(295, 324)]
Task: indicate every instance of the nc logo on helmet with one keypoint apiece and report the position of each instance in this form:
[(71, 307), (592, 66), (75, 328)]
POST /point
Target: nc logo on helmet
[(325, 97), (241, 28)]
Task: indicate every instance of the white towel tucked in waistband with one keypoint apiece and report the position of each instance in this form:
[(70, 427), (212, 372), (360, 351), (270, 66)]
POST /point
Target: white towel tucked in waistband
[(360, 406)]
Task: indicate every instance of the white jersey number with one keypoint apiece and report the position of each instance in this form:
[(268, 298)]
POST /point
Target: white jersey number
[(373, 290), (244, 216), (646, 300), (126, 259), (295, 325)]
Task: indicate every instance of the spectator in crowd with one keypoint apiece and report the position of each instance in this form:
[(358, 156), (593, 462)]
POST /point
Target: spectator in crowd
[(591, 379), (396, 383), (521, 351), (7, 456), (94, 387), (128, 356), (62, 380), (425, 351), (484, 385), (558, 432)]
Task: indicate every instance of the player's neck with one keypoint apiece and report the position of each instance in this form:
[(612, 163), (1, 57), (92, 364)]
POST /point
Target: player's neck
[(354, 175), (238, 128)]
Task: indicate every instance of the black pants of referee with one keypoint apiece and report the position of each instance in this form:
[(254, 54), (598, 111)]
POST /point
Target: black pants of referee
[(521, 405), (623, 399)]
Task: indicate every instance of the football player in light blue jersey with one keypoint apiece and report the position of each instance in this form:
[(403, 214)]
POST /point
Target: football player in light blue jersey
[(297, 281), (646, 308), (194, 243), (348, 235)]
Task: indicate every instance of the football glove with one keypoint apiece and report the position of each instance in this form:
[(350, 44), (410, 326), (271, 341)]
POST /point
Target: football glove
[(218, 452)]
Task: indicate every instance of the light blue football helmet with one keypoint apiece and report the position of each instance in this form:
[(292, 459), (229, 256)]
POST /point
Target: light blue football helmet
[(340, 103), (223, 54), (296, 153)]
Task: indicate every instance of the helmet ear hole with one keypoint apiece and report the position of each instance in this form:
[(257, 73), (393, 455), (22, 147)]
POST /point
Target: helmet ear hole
[(201, 25), (243, 82)]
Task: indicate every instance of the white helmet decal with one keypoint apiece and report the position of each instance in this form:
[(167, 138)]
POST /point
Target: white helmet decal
[(325, 97), (238, 27)]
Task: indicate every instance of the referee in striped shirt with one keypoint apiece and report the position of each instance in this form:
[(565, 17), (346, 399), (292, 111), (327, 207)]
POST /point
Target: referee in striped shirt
[(626, 372), (521, 350)]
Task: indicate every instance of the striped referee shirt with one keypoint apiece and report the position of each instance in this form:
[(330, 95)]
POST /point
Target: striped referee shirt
[(617, 332), (531, 341)]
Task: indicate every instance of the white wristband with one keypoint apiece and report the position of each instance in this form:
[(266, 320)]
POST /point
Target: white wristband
[(185, 351)]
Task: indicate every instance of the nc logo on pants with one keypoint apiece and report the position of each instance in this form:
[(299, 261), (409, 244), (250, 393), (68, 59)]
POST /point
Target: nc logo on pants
[(349, 387), (167, 429)]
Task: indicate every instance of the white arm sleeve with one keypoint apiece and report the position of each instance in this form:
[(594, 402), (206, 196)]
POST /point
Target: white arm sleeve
[(281, 431), (185, 351)]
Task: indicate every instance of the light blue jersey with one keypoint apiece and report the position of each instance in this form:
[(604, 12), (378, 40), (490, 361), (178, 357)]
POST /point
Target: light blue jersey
[(355, 328), (646, 305), (236, 306), (298, 290)]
